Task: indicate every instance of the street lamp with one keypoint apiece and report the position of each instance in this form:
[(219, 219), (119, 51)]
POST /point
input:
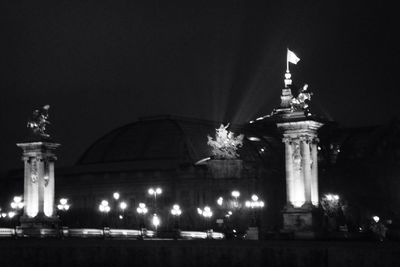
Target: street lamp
[(63, 204), (17, 203), (154, 192), (253, 204), (104, 208), (142, 210), (11, 214), (220, 201), (116, 195), (156, 221), (330, 203), (236, 195), (206, 213), (122, 206), (176, 212)]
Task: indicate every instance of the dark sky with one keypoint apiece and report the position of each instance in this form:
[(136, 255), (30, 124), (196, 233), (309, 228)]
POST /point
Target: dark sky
[(103, 64)]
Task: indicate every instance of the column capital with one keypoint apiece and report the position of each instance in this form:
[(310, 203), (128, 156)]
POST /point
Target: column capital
[(315, 140), (287, 139)]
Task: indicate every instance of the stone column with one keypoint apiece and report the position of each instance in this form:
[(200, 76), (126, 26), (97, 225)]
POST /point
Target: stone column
[(289, 170), (298, 195), (306, 169), (49, 190), (40, 185), (314, 172)]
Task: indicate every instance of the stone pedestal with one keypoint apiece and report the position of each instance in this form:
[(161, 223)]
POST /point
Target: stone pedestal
[(225, 168), (302, 223), (39, 209), (252, 233)]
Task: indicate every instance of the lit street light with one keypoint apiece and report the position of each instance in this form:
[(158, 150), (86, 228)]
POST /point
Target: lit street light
[(17, 203), (330, 203), (123, 205), (156, 221), (206, 213), (176, 212), (253, 204), (11, 214), (64, 206), (142, 210), (116, 195), (154, 192), (220, 201), (236, 195), (104, 207)]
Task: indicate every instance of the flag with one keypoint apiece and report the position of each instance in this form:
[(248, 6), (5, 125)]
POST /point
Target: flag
[(291, 57)]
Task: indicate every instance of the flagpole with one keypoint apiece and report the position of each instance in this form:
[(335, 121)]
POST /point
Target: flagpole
[(287, 61)]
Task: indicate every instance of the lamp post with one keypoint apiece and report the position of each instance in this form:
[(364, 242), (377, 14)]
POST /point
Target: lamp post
[(104, 208), (253, 204), (122, 205), (154, 192), (114, 216), (330, 203), (220, 201), (63, 205), (176, 212), (17, 205), (235, 194), (207, 214), (156, 222), (142, 210)]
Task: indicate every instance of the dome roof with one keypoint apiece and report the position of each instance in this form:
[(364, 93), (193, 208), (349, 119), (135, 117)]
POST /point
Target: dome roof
[(168, 138)]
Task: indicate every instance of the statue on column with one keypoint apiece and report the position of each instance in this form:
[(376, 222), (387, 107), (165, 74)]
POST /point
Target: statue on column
[(37, 123), (301, 102)]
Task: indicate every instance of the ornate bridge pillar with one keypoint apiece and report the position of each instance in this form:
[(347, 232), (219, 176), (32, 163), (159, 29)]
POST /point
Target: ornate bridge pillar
[(300, 139), (39, 160), (299, 128), (39, 181)]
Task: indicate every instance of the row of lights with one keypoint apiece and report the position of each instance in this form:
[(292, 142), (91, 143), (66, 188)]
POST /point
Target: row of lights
[(17, 204)]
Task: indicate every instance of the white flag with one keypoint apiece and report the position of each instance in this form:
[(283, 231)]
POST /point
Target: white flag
[(291, 57)]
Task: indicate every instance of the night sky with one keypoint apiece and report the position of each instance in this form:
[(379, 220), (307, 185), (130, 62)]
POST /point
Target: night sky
[(103, 64)]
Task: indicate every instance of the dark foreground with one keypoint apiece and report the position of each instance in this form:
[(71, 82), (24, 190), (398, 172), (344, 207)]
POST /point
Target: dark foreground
[(99, 252)]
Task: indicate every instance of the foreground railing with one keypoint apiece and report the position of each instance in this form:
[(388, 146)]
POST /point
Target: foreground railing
[(106, 232)]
